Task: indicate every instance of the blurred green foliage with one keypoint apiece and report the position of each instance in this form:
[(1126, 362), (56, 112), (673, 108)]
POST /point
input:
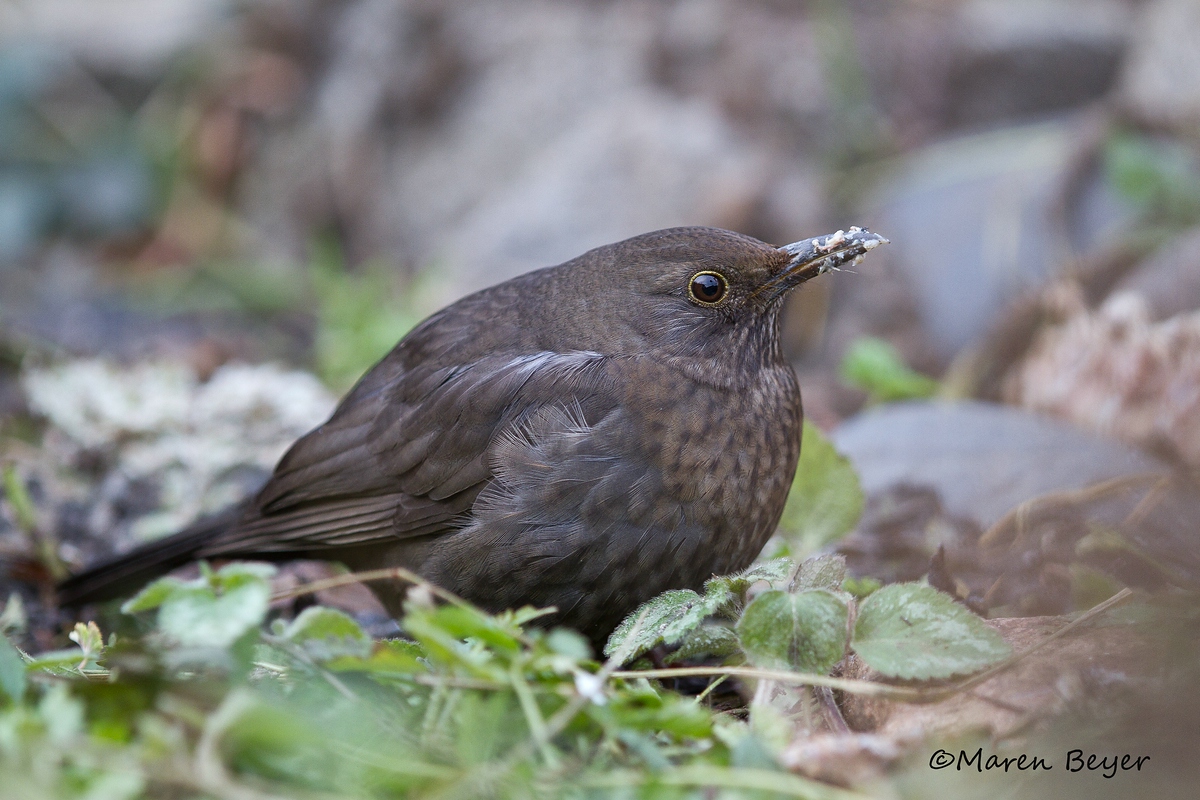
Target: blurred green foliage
[(208, 702), (202, 694), (825, 501), (360, 315), (1161, 176), (875, 366)]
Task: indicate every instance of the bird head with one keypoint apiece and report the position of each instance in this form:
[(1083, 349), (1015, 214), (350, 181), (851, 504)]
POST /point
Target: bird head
[(704, 293)]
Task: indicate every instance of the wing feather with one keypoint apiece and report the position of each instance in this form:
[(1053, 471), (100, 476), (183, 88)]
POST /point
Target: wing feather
[(407, 457)]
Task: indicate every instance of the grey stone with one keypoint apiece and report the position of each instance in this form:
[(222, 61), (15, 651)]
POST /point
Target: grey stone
[(1169, 280), (550, 132), (973, 63), (644, 161), (1161, 80), (559, 142), (972, 223), (1017, 58), (982, 459)]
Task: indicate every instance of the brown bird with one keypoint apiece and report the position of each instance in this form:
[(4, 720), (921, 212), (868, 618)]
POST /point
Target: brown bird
[(584, 436)]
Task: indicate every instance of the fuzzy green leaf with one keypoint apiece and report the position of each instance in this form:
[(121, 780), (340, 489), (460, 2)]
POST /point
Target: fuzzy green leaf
[(826, 499), (805, 631), (913, 631), (69, 659), (772, 572), (666, 618), (715, 641), (821, 572), (388, 657)]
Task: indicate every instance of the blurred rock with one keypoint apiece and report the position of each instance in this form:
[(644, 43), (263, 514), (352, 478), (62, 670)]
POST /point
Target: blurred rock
[(26, 211), (971, 63), (1012, 513), (640, 162), (123, 35), (842, 759), (484, 140), (111, 194), (1019, 58), (1169, 280), (1115, 371), (762, 63), (981, 459), (580, 149), (977, 220), (1161, 81)]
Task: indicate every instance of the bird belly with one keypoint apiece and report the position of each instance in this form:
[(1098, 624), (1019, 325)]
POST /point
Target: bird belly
[(596, 517)]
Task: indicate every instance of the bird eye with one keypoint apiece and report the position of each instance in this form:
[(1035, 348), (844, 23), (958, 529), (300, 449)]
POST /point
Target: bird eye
[(708, 288)]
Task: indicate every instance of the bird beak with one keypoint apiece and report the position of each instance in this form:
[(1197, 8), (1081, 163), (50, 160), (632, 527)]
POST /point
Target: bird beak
[(820, 254)]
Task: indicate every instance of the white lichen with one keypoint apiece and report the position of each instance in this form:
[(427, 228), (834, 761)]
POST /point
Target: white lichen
[(160, 424)]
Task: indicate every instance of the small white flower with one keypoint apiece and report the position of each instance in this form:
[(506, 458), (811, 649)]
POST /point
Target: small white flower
[(591, 687)]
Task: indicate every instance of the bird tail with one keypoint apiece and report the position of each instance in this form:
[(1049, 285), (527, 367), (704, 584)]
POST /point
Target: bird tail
[(128, 573)]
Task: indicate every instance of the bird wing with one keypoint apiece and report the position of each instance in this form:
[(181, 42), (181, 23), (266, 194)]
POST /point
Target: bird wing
[(407, 456)]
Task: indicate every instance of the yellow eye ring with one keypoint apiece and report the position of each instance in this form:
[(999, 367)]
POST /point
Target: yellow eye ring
[(708, 288)]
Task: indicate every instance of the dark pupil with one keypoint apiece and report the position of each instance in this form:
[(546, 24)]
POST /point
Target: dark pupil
[(707, 287)]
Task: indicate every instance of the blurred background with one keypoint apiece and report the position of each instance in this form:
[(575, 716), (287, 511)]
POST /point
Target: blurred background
[(215, 214), (211, 180), (188, 187), (191, 186)]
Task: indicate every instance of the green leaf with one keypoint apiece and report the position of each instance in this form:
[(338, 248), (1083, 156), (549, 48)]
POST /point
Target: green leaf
[(667, 618), (805, 631), (716, 641), (913, 631), (12, 671), (465, 623), (62, 715), (326, 633), (1159, 174), (389, 657), (825, 501), (153, 595), (821, 572), (214, 610), (69, 659), (875, 366), (566, 642), (441, 631), (860, 587), (657, 713), (230, 576), (201, 618), (772, 572)]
